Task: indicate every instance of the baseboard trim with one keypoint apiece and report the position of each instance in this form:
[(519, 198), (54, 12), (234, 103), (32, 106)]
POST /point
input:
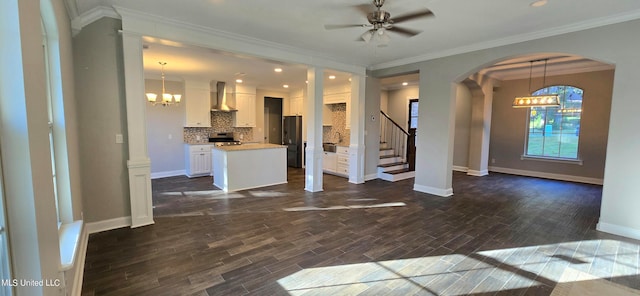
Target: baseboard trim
[(168, 174), (434, 191), (78, 274), (370, 177), (104, 225), (618, 230), (477, 173), (552, 176), (458, 168)]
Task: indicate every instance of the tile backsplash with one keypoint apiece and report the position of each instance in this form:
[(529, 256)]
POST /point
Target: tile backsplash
[(220, 122), (337, 131)]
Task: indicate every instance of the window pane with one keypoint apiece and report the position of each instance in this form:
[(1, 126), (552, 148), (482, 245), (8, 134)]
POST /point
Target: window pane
[(554, 132)]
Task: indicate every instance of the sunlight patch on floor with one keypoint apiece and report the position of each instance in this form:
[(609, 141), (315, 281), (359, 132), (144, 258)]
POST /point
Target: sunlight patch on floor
[(481, 272), (312, 208)]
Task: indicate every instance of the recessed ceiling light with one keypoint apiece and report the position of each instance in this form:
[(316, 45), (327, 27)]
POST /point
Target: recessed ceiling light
[(349, 78), (538, 3), (332, 77), (278, 70), (306, 81), (285, 85), (405, 83), (239, 80)]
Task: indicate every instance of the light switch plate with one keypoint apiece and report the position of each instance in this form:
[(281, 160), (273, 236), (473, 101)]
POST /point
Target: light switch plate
[(119, 139)]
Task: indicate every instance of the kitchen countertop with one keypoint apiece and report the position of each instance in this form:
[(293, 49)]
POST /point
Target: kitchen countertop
[(198, 143), (248, 147)]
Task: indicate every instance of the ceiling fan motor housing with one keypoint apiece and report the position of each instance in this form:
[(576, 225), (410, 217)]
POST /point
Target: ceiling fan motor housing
[(378, 16)]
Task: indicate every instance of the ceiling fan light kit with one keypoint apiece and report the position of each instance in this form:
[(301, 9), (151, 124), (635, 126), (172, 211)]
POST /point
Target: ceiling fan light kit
[(380, 22)]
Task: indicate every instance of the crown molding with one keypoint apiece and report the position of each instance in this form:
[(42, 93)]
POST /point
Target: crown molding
[(140, 23), (579, 26), (91, 16)]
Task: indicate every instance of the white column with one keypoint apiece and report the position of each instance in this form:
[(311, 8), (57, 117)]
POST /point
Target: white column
[(139, 164), (620, 202), (313, 113), (435, 133), (480, 129), (356, 146)]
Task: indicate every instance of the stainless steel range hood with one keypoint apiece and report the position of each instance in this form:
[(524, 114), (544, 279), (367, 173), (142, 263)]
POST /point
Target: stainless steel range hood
[(221, 99)]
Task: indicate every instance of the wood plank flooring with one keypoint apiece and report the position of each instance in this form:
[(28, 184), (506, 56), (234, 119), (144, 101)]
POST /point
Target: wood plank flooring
[(498, 235)]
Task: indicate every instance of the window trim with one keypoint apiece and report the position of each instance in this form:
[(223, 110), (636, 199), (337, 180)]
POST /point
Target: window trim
[(577, 160)]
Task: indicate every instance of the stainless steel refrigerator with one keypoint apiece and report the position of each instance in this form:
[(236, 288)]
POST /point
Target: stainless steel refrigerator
[(292, 138)]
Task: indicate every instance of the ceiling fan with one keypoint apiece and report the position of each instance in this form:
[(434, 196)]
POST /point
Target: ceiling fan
[(380, 21)]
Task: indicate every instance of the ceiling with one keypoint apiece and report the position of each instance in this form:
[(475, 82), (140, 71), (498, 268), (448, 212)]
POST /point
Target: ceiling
[(458, 26)]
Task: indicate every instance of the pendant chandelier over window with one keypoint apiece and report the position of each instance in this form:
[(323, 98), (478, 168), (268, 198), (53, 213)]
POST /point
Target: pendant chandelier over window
[(548, 100), (167, 99)]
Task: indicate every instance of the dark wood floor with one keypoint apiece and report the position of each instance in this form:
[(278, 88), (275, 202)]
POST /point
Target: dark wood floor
[(498, 235)]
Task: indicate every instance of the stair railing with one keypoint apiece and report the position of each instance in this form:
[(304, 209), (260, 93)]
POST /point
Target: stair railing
[(393, 135)]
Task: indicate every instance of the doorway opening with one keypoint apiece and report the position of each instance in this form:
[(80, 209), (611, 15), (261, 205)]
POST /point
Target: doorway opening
[(273, 120)]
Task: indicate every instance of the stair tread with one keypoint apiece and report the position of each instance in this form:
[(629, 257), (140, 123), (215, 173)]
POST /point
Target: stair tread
[(386, 165), (388, 156), (400, 171)]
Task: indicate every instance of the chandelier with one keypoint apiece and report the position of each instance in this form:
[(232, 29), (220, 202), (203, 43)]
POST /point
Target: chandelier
[(167, 99), (548, 100)]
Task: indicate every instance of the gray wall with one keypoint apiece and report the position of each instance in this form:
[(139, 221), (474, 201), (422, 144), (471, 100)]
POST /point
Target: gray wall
[(508, 125), (164, 129), (101, 115), (463, 127), (398, 104), (371, 127)]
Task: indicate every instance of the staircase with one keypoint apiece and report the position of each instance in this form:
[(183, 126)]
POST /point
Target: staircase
[(393, 165)]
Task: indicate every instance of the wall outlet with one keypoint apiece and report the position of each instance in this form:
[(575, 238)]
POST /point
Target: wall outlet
[(170, 136), (119, 139), (493, 160)]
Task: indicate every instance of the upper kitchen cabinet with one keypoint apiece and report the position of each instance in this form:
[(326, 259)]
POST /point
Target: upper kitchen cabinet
[(337, 94), (197, 100), (295, 103), (246, 106)]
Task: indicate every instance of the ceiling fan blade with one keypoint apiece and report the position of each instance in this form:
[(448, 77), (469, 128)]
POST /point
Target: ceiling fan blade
[(333, 27), (414, 15), (404, 31), (364, 9)]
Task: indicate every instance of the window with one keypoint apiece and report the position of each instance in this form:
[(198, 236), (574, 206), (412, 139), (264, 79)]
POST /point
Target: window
[(50, 120), (553, 132), (413, 114)]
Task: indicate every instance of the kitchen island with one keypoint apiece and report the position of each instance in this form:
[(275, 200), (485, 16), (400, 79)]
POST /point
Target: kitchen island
[(239, 167)]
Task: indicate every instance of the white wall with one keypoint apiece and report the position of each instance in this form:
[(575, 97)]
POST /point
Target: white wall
[(372, 127), (165, 130), (610, 44)]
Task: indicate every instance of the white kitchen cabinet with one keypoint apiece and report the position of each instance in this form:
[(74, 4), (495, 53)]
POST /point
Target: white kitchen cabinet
[(329, 162), (197, 100), (342, 162), (197, 160), (336, 98), (246, 114), (295, 106)]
